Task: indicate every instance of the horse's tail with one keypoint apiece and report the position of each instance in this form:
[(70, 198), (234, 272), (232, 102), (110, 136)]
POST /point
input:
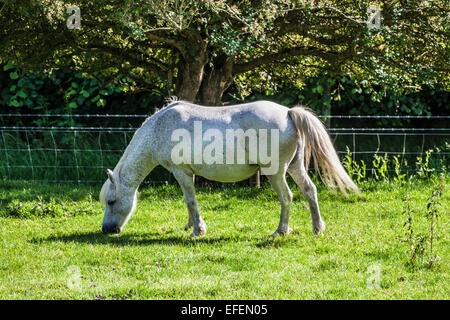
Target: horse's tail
[(317, 143)]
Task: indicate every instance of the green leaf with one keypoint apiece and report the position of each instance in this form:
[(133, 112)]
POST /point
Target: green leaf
[(72, 105), (29, 103), (319, 89), (80, 100), (22, 94), (101, 103), (15, 103), (8, 66), (95, 99), (70, 93), (14, 75)]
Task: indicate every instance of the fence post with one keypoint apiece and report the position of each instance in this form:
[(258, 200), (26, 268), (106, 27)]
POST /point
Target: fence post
[(255, 180)]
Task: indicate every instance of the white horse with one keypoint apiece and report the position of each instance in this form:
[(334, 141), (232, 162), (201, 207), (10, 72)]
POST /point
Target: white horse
[(300, 135)]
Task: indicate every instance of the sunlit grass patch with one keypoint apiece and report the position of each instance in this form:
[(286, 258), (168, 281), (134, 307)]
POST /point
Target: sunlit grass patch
[(361, 255)]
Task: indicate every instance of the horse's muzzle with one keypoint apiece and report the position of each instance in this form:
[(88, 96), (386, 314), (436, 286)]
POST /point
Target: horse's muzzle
[(110, 229)]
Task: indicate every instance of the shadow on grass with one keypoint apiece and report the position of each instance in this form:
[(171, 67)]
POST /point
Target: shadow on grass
[(132, 239), (379, 255), (228, 191), (167, 238), (278, 242)]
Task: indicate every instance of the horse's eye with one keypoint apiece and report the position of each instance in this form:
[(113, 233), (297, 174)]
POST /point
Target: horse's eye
[(111, 202)]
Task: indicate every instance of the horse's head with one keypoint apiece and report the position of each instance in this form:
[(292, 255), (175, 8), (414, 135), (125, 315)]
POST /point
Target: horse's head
[(119, 203)]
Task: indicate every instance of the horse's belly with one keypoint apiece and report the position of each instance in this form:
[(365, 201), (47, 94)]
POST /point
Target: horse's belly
[(225, 172)]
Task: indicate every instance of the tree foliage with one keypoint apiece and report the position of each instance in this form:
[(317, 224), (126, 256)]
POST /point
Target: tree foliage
[(197, 49)]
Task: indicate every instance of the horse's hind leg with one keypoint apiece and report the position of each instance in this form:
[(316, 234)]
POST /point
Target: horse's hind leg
[(186, 182), (298, 172), (281, 187)]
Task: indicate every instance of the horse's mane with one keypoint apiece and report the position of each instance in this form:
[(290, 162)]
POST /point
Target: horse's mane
[(170, 101)]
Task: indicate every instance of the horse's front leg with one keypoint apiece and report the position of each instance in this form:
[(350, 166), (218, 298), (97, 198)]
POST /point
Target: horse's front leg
[(190, 223), (186, 182)]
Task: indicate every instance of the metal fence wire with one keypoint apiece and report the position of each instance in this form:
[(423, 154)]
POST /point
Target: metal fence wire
[(50, 148)]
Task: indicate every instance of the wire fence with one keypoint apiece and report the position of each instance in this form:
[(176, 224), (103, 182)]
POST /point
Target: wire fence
[(54, 148)]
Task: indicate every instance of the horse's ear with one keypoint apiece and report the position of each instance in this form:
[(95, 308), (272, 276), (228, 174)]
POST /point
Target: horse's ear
[(110, 175)]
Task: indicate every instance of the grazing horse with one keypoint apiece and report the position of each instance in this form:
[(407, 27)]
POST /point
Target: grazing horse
[(296, 134)]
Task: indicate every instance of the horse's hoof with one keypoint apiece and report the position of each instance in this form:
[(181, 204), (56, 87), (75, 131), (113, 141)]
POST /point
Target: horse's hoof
[(198, 232), (281, 232), (195, 233), (320, 228)]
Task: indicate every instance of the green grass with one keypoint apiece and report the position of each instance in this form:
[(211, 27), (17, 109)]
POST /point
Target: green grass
[(59, 252)]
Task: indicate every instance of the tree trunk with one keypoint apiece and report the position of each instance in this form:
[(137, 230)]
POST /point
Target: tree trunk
[(191, 73), (191, 78), (215, 82)]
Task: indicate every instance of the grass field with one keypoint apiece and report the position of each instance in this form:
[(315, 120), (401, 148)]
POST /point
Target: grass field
[(51, 246)]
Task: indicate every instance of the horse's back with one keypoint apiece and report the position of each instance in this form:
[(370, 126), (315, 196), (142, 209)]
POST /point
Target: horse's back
[(195, 120), (256, 115)]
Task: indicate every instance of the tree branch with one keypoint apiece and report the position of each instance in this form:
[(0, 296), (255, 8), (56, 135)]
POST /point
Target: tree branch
[(330, 56), (170, 42), (130, 54)]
